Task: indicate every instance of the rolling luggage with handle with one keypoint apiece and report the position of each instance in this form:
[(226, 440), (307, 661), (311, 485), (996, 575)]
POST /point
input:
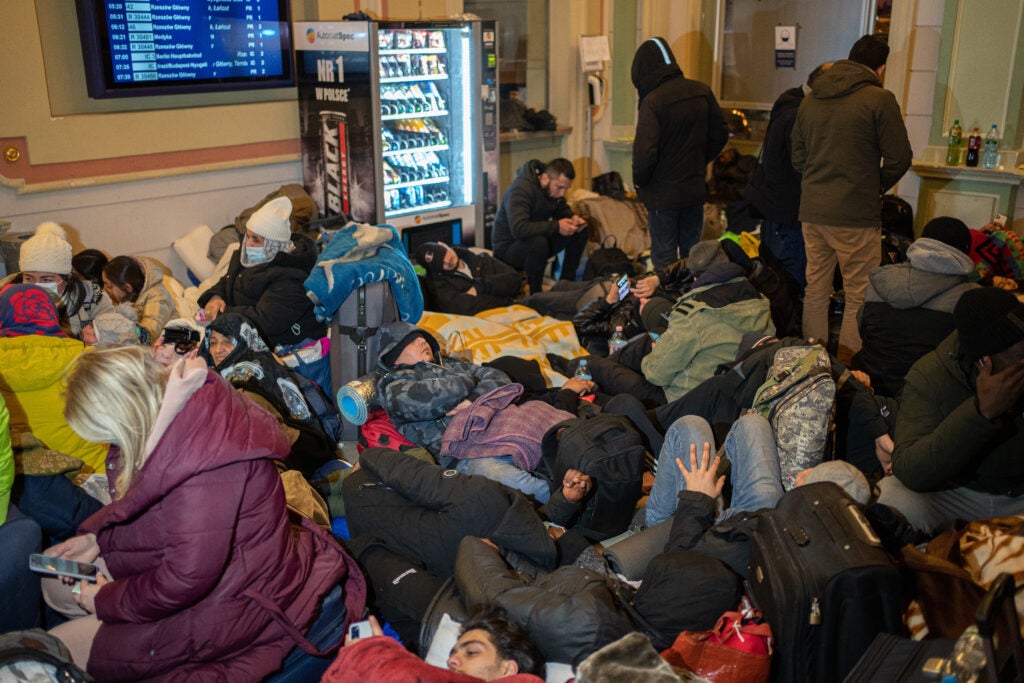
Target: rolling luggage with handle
[(825, 583), (353, 345)]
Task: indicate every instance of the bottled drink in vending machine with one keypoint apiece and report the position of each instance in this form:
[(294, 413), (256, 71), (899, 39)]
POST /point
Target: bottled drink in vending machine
[(956, 135), (973, 148), (990, 158)]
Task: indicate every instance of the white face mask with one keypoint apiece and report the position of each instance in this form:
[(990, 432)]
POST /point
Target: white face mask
[(50, 286)]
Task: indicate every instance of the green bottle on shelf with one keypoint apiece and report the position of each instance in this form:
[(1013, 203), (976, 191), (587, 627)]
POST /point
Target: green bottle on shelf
[(956, 135)]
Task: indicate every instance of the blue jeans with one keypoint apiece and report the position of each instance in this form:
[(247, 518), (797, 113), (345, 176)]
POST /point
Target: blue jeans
[(750, 448), (785, 239), (19, 537), (502, 469), (673, 232), (328, 630), (934, 511)]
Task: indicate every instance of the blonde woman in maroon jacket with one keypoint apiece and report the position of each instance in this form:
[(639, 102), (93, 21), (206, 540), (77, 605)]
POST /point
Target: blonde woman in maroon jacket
[(206, 579)]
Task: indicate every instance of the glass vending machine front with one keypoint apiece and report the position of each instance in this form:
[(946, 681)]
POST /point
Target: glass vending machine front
[(426, 117)]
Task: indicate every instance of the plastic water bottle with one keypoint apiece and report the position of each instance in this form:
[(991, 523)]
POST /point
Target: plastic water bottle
[(617, 340), (956, 136), (990, 158), (583, 370), (968, 660)]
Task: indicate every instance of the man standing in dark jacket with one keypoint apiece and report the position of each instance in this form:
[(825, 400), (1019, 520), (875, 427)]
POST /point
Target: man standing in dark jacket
[(459, 281), (774, 191), (679, 130), (533, 222), (851, 145)]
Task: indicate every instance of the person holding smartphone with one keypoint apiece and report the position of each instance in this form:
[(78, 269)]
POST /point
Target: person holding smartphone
[(597, 320), (203, 575)]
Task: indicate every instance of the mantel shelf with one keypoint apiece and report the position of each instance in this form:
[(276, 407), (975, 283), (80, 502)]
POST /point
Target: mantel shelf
[(1002, 176)]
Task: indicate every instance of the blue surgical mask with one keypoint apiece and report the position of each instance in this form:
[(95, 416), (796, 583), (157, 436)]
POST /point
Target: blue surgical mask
[(255, 255), (51, 286)]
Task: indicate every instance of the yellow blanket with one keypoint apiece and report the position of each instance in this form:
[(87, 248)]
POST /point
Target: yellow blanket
[(508, 331)]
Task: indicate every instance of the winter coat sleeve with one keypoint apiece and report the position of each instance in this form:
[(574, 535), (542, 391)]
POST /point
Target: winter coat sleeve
[(487, 378), (196, 550), (695, 514), (559, 510), (931, 449), (496, 278), (674, 275), (673, 353), (894, 143), (6, 461), (520, 208), (594, 319), (645, 144), (416, 480), (718, 133), (451, 297), (797, 148), (282, 303)]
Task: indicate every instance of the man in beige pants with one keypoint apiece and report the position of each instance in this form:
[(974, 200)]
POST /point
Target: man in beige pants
[(850, 143)]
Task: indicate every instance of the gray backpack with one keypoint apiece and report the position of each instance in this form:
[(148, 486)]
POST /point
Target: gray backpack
[(798, 399)]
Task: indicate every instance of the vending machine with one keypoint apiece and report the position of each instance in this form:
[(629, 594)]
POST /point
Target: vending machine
[(399, 124)]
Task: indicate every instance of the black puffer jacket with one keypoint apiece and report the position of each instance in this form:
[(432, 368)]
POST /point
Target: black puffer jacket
[(570, 612), (496, 284), (679, 130), (774, 190), (596, 322), (273, 295), (422, 511)]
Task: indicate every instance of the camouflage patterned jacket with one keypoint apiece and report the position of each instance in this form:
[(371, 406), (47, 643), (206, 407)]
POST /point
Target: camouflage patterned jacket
[(417, 397)]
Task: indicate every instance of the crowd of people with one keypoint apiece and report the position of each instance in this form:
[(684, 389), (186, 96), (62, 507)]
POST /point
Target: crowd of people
[(162, 439)]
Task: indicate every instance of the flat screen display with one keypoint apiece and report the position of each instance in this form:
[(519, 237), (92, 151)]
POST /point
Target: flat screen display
[(167, 47)]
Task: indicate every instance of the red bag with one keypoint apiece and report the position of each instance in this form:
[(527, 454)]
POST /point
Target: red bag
[(378, 430), (737, 650)]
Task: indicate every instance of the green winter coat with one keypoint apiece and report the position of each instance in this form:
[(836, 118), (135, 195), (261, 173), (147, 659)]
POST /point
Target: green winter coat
[(700, 337), (942, 441)]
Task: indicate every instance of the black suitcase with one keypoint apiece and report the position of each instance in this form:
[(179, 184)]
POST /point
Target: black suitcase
[(892, 659), (824, 581), (353, 344)]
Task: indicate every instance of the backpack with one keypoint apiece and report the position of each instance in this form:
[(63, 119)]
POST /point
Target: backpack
[(798, 399), (35, 655), (609, 449), (897, 216), (321, 406), (607, 260), (610, 185)]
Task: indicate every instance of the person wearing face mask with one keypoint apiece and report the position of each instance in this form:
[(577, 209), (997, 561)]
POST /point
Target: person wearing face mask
[(265, 279), (45, 260)]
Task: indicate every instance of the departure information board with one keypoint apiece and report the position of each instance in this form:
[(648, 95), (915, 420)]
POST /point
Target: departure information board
[(154, 42)]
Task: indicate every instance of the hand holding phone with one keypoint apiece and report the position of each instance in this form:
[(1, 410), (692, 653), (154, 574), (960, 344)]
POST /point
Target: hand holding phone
[(363, 629), (59, 566)]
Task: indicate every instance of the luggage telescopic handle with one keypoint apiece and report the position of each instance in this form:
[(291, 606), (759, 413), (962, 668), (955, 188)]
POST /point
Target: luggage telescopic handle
[(869, 533)]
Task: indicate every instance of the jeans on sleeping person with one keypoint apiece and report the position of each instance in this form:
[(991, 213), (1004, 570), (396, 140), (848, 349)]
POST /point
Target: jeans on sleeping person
[(502, 469), (750, 448)]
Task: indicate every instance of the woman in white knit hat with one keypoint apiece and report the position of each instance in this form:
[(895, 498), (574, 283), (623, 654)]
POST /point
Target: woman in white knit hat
[(45, 260), (266, 278)]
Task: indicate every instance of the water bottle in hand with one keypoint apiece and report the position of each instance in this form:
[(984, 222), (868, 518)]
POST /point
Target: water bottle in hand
[(583, 371)]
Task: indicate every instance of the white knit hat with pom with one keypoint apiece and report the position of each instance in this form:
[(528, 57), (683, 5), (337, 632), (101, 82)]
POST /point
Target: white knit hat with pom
[(47, 251)]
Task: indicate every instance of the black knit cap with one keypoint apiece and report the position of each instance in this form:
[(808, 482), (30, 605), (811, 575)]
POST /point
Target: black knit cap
[(388, 359), (989, 320), (949, 230), (430, 255)]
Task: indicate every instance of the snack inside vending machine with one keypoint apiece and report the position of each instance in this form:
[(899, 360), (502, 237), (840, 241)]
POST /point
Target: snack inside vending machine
[(399, 124)]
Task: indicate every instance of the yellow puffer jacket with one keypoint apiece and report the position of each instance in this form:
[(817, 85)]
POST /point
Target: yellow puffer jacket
[(30, 380), (6, 462)]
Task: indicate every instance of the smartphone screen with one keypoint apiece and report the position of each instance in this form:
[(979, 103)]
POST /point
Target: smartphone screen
[(623, 285), (59, 566)]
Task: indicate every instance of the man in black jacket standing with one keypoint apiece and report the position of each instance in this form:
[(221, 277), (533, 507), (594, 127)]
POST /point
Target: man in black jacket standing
[(533, 222), (774, 191), (679, 130)]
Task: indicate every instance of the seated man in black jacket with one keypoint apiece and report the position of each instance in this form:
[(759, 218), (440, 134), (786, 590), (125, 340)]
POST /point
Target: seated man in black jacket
[(459, 281)]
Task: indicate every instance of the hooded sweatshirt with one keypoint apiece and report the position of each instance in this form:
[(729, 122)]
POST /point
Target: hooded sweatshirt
[(679, 130), (843, 129), (908, 310)]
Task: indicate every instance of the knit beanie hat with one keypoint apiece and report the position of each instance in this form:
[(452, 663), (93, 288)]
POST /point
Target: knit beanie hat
[(655, 314), (117, 326), (430, 255), (272, 221), (703, 255), (989, 320), (47, 251), (845, 476), (388, 359), (949, 230)]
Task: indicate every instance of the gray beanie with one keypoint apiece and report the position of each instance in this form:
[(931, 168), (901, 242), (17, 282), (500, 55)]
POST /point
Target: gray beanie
[(703, 255)]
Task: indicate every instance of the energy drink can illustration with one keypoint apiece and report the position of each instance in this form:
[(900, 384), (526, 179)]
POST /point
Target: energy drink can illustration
[(334, 145)]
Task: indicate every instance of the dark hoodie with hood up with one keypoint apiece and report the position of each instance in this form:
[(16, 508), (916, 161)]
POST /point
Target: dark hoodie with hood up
[(842, 130), (679, 130)]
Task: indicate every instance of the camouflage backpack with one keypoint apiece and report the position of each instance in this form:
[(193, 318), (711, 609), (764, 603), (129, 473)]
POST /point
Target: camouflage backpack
[(798, 399)]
